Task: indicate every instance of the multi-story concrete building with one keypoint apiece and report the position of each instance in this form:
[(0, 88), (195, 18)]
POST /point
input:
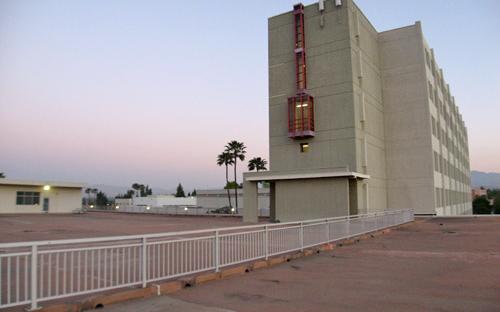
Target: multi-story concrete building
[(359, 120)]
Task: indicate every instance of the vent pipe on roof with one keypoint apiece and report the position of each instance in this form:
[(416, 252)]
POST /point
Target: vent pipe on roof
[(321, 5), (321, 8)]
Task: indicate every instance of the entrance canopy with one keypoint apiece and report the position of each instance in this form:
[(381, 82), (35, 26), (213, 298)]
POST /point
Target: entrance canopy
[(302, 174)]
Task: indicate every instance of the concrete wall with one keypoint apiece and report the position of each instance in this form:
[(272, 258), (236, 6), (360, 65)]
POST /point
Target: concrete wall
[(214, 199), (427, 159), (407, 122), (372, 115), (449, 143), (61, 200), (163, 200), (369, 111), (329, 77), (311, 199)]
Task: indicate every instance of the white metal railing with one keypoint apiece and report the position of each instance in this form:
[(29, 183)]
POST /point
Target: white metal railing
[(31, 272)]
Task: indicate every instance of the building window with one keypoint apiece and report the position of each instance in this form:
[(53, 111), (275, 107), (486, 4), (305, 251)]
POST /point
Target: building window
[(304, 147), (436, 162), (431, 92), (27, 198), (301, 116)]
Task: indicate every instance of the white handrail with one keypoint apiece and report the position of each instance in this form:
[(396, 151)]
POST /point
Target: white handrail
[(179, 233), (88, 265)]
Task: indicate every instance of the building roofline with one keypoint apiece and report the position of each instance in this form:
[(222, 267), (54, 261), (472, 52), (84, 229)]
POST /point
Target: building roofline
[(42, 183), (312, 174)]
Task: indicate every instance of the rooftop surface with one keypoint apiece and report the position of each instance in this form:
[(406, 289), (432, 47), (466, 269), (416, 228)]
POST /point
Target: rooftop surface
[(42, 183), (445, 264), (35, 227)]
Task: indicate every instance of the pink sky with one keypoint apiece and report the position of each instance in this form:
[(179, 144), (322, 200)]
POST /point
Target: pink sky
[(121, 92)]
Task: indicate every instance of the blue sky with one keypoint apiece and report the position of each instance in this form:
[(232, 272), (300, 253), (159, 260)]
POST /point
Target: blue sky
[(120, 91)]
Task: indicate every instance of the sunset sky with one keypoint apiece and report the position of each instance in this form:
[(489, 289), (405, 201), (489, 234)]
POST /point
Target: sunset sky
[(115, 92)]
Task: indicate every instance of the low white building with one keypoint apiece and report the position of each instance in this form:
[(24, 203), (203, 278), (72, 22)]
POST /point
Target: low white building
[(18, 196), (163, 200), (157, 201)]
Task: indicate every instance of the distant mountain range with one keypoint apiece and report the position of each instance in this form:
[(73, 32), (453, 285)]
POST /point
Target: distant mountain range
[(113, 190), (486, 179)]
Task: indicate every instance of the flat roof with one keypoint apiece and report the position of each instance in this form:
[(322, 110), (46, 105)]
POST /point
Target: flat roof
[(428, 265), (42, 183), (302, 174), (36, 227)]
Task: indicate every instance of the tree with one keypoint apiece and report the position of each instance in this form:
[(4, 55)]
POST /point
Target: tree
[(481, 205), (142, 190), (237, 150), (496, 204), (193, 193), (257, 163), (136, 187), (492, 193), (101, 199), (180, 191), (2, 175), (128, 194), (90, 191), (226, 159)]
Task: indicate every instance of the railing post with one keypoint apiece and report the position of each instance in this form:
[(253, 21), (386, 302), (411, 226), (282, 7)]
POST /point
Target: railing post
[(266, 241), (301, 236), (348, 226), (327, 231), (34, 277), (217, 251), (144, 262)]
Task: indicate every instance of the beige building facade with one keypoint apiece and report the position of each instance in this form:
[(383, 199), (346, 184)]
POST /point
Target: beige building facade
[(21, 197), (381, 130)]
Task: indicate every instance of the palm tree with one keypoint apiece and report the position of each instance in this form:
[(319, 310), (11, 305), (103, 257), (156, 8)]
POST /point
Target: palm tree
[(257, 163), (237, 151), (226, 159)]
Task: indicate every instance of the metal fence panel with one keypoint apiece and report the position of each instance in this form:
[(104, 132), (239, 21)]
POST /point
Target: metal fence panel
[(31, 272)]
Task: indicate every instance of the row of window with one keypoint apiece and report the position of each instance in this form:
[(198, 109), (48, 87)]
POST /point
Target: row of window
[(443, 166), (27, 198), (446, 140), (451, 118), (434, 70), (449, 197)]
